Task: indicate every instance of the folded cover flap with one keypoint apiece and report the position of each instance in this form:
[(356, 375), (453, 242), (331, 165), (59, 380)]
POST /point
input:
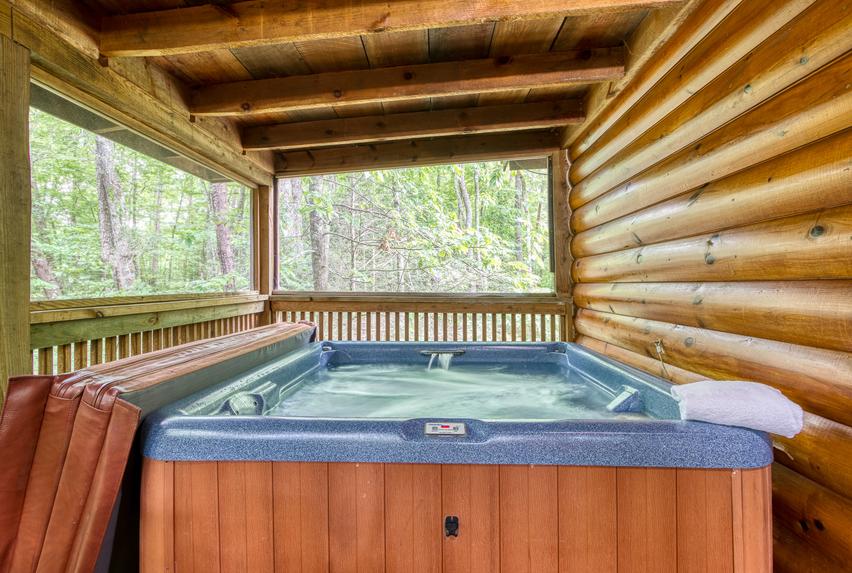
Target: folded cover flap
[(20, 423)]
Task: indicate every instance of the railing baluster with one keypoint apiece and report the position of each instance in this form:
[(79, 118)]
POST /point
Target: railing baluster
[(96, 351), (79, 355), (63, 359), (45, 360)]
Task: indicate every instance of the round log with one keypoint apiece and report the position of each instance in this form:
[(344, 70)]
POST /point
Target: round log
[(810, 313), (822, 452), (793, 554), (812, 109), (693, 30), (812, 246), (822, 517), (677, 113), (817, 176), (819, 380), (644, 363)]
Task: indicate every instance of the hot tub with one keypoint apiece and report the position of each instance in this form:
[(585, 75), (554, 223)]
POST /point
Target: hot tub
[(447, 456)]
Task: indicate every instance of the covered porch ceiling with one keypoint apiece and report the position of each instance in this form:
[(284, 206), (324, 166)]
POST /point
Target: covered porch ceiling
[(330, 86)]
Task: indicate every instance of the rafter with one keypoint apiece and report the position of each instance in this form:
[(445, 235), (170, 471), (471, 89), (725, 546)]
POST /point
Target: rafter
[(409, 82), (258, 22), (417, 153), (352, 130)]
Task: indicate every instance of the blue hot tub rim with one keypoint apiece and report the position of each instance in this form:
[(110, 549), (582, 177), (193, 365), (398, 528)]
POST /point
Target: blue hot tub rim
[(170, 434)]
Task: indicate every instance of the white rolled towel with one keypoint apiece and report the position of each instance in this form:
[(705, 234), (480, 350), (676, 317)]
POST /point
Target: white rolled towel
[(734, 403)]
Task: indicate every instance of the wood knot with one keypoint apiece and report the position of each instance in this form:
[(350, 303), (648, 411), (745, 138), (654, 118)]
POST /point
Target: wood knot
[(245, 106), (337, 93), (817, 231)]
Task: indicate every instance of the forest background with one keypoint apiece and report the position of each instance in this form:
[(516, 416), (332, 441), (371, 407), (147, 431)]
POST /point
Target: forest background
[(110, 221)]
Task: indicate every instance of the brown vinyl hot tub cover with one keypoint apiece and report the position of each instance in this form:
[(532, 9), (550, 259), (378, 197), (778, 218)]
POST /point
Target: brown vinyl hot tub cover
[(65, 442)]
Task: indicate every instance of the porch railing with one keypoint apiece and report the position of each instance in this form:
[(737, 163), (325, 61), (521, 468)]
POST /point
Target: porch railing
[(72, 334), (429, 317), (68, 335)]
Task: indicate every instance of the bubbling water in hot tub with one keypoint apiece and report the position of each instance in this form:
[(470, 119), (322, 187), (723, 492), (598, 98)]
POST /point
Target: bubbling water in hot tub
[(482, 391)]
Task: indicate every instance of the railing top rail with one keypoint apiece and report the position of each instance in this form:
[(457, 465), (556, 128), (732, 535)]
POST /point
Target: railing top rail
[(112, 308), (335, 302), (40, 305), (311, 296)]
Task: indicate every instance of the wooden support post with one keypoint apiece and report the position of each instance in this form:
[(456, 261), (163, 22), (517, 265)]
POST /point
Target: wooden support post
[(15, 207), (563, 259), (265, 243)]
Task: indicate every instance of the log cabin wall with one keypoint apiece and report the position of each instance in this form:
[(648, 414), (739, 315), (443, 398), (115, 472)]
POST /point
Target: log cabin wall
[(712, 220)]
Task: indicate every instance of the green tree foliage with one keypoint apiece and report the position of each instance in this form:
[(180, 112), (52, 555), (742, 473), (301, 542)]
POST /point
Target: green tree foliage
[(454, 228), (168, 218)]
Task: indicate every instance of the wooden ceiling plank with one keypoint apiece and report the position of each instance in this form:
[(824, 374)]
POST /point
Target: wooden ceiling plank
[(259, 22), (459, 43), (408, 82), (597, 30), (399, 49), (519, 37), (337, 55), (272, 61), (410, 125), (417, 153), (208, 67)]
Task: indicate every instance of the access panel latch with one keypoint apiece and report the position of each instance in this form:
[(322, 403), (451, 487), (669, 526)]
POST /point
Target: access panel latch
[(451, 526)]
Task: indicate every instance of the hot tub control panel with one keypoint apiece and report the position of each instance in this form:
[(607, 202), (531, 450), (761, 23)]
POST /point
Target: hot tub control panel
[(445, 429)]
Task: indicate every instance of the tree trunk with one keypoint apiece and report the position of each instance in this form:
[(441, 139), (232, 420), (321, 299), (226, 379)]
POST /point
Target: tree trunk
[(224, 251), (43, 270), (155, 241), (353, 244), (115, 247), (319, 236), (400, 263), (521, 217), (291, 226), (463, 200), (477, 286)]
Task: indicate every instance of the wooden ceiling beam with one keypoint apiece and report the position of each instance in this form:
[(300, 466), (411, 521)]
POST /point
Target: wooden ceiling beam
[(259, 22), (417, 153), (408, 82), (442, 123)]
